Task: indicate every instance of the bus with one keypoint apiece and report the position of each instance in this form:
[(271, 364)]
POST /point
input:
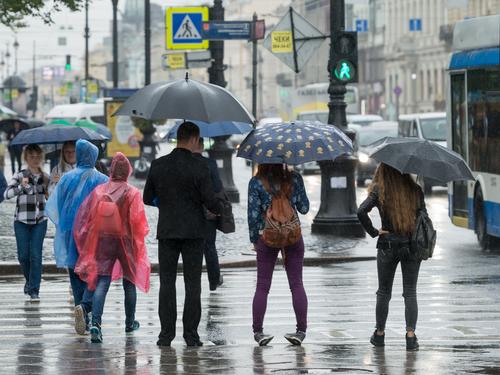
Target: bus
[(473, 115), (313, 100)]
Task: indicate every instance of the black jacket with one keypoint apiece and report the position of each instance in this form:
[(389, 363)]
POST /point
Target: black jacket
[(214, 172), (373, 201), (179, 184)]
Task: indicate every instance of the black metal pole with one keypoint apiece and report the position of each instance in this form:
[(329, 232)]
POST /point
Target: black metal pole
[(115, 44), (35, 88), (255, 62), (87, 36), (220, 150), (337, 212), (147, 42)]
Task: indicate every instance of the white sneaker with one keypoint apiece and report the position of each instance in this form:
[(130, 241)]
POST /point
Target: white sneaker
[(80, 324)]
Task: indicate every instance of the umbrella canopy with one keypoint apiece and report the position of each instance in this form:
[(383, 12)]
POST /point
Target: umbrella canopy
[(422, 157), (216, 129), (5, 111), (84, 123), (183, 99), (56, 134), (295, 143), (7, 125)]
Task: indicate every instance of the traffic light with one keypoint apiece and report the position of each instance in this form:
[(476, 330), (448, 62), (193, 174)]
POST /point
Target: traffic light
[(68, 63), (344, 66)]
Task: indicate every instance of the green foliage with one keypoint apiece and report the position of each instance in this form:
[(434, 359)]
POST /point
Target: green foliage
[(12, 12)]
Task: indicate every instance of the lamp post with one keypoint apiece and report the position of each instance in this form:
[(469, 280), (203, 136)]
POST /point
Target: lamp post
[(220, 150), (115, 44), (147, 42), (337, 212), (16, 46), (87, 37)]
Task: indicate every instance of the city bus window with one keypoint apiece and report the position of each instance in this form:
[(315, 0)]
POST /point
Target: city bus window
[(484, 120)]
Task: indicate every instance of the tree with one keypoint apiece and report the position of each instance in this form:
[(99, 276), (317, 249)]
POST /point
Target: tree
[(12, 12)]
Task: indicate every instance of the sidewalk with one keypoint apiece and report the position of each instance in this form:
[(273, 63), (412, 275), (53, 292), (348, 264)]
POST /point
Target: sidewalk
[(459, 327)]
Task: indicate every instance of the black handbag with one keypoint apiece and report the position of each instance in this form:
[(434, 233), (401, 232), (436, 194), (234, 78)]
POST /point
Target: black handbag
[(225, 221)]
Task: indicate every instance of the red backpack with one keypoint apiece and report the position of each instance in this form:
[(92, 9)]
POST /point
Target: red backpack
[(110, 220)]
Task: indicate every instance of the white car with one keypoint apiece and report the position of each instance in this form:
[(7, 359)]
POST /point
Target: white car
[(322, 116)]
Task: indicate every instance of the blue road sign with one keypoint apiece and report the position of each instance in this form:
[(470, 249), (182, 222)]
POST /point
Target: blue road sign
[(224, 30), (415, 24), (362, 26)]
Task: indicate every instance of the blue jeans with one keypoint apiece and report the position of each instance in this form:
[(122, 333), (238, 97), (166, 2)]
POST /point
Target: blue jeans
[(100, 293), (29, 239), (81, 295)]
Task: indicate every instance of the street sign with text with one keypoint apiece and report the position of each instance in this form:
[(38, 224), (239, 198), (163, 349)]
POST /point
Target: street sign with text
[(226, 30), (184, 27), (294, 40)]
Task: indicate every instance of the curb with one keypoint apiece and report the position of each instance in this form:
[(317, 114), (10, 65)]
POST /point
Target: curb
[(11, 269)]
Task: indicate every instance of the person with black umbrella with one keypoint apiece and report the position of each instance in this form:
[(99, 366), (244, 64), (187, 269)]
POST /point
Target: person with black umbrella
[(397, 198), (180, 186)]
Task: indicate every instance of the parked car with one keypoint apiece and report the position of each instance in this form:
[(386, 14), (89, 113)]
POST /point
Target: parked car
[(431, 126), (365, 136), (308, 168)]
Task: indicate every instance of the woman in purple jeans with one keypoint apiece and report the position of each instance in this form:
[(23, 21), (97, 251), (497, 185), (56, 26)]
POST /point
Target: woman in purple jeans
[(279, 178)]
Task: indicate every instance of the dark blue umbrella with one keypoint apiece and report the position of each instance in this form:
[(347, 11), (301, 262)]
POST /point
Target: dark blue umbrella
[(56, 134), (295, 143), (214, 129)]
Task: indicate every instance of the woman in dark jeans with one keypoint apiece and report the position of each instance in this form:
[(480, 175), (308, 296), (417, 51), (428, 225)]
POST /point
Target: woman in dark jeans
[(259, 200), (397, 199)]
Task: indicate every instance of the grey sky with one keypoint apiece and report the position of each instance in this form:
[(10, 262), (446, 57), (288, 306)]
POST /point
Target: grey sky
[(67, 24)]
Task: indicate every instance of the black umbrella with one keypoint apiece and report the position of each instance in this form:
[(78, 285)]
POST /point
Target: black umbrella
[(185, 99), (423, 158), (7, 125)]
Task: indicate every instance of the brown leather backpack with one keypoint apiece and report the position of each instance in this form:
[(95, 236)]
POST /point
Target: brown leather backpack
[(282, 224)]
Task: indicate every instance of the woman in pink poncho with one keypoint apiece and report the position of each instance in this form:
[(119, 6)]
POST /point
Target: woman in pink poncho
[(109, 232)]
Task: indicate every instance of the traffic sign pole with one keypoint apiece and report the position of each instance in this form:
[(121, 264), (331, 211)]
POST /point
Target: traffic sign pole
[(337, 212)]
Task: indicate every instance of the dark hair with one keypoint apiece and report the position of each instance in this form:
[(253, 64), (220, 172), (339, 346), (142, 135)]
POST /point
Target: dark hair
[(32, 149), (276, 175), (186, 131), (201, 142)]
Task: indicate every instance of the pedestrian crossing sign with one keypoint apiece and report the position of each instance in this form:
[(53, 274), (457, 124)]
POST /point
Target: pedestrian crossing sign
[(184, 27)]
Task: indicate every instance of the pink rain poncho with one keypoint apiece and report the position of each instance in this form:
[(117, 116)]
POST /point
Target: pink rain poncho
[(109, 231)]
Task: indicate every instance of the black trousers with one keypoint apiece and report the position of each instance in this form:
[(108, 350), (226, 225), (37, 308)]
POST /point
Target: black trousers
[(210, 251), (192, 259), (387, 262)]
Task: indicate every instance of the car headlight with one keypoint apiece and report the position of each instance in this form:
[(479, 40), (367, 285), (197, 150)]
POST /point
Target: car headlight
[(363, 158)]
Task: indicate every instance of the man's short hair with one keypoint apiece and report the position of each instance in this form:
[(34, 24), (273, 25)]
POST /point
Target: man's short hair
[(201, 142), (186, 131)]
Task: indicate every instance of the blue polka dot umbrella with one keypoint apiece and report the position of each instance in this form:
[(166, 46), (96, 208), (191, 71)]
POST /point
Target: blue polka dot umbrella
[(295, 143)]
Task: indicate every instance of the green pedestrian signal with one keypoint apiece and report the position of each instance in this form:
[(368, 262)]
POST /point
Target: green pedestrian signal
[(67, 67), (344, 71)]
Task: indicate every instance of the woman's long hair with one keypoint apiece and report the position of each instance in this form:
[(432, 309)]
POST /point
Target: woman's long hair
[(277, 176), (399, 197), (63, 165)]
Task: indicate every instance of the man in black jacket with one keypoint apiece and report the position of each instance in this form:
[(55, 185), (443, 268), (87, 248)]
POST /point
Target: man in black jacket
[(210, 250), (180, 185)]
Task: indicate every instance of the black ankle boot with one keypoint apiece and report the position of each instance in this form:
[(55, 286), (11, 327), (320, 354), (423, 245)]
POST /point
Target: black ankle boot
[(377, 340), (411, 342)]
